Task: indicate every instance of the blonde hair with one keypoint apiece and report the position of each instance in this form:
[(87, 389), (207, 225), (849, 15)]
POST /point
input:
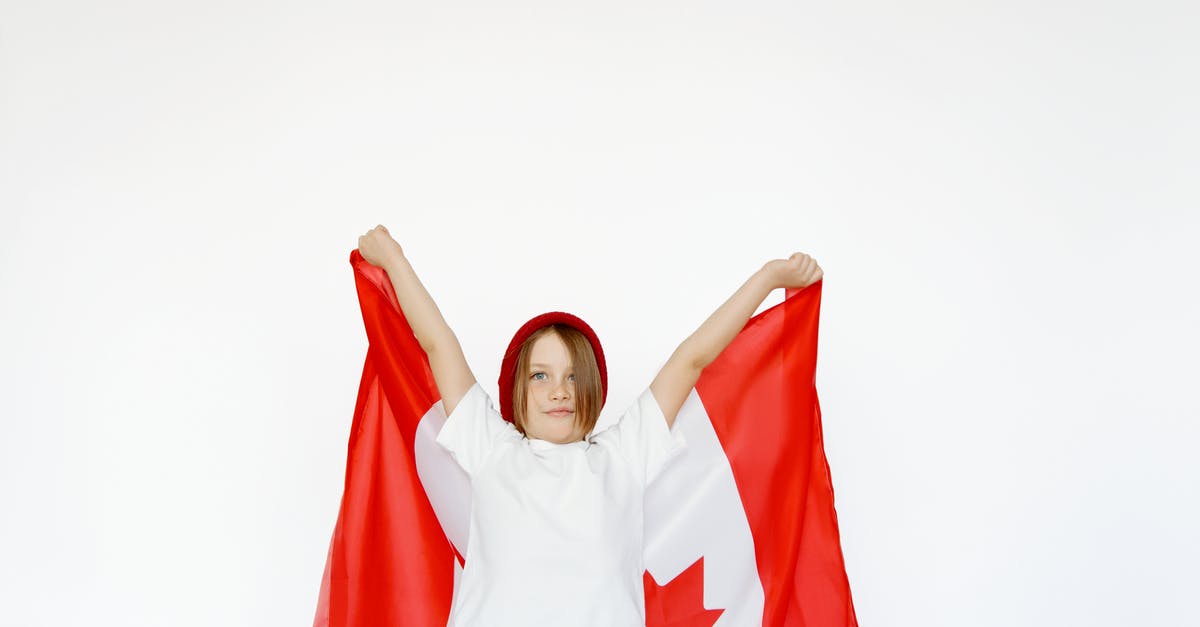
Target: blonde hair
[(589, 395)]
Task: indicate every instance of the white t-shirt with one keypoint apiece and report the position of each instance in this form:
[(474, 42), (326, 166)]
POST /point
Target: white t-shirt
[(556, 529)]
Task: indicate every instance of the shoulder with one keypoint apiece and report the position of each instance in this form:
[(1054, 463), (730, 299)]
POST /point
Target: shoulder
[(474, 428), (642, 410)]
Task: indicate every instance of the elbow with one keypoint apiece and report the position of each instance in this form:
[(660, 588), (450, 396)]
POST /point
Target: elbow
[(427, 344), (434, 343), (696, 359)]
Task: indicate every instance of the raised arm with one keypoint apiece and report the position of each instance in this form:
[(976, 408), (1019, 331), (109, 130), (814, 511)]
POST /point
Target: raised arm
[(679, 375), (450, 370)]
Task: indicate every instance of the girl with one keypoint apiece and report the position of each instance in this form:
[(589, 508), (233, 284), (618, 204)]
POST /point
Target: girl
[(556, 511)]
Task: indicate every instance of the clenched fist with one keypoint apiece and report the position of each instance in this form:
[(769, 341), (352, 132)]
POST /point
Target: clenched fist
[(378, 247), (798, 271)]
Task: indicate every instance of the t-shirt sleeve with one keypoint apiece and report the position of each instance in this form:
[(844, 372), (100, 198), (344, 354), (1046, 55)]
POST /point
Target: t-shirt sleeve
[(474, 429), (642, 436)]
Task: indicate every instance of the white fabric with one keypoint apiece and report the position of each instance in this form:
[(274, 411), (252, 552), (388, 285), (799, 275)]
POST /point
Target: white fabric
[(556, 529)]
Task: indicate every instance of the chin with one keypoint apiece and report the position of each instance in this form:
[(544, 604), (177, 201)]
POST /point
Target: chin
[(555, 433), (558, 437)]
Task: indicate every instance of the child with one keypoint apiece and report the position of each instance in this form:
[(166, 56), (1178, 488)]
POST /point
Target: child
[(556, 511)]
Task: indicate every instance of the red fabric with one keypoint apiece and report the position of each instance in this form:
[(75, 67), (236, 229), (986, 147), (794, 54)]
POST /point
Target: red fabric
[(761, 397), (389, 562), (680, 602)]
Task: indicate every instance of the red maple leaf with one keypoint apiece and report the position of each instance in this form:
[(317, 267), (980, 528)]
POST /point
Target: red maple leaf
[(679, 603)]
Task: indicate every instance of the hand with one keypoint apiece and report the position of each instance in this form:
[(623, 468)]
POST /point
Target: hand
[(798, 271), (378, 247)]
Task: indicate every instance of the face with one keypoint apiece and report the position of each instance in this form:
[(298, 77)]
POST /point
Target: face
[(550, 396)]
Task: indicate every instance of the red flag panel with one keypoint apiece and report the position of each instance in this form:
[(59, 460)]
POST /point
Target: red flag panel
[(760, 395), (389, 562)]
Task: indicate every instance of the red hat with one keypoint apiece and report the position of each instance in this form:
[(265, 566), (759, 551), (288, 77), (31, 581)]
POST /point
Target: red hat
[(509, 366)]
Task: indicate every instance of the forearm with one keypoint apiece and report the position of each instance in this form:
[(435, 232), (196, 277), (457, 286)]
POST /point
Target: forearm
[(681, 372), (707, 342), (419, 309)]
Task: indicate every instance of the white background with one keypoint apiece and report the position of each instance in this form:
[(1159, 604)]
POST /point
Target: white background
[(1003, 196)]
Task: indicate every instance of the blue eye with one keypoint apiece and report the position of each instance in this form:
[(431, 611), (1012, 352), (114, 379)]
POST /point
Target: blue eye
[(538, 374), (571, 377)]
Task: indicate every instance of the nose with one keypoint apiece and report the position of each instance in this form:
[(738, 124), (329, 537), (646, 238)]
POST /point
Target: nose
[(560, 391)]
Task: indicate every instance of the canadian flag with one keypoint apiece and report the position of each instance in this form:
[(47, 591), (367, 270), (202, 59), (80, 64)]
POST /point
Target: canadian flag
[(740, 528)]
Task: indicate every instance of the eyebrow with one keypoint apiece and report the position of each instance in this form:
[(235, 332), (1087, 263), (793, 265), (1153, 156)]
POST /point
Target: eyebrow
[(540, 366)]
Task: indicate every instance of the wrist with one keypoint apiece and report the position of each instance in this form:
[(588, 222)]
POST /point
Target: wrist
[(769, 274), (396, 262)]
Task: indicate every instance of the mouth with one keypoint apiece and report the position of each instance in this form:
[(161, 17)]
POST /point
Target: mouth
[(560, 413)]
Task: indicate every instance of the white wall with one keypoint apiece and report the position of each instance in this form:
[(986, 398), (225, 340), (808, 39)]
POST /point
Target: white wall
[(1003, 197)]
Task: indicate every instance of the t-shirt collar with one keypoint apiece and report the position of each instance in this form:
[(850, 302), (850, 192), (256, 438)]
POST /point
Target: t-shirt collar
[(546, 445)]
